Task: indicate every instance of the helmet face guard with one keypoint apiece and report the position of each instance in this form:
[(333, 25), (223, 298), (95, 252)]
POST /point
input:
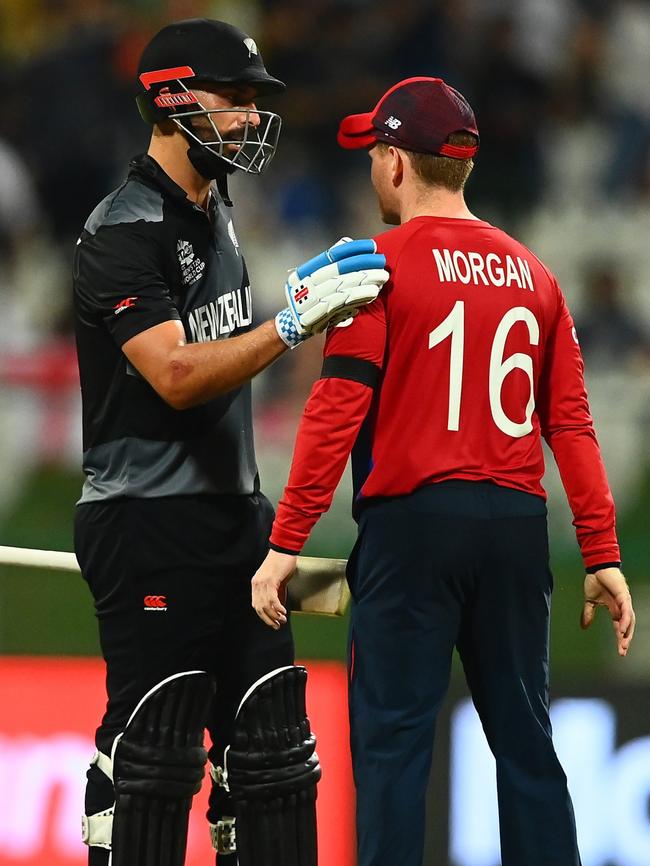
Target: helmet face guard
[(250, 149)]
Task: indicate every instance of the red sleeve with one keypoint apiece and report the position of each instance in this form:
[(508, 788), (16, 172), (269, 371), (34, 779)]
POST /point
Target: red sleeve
[(333, 415), (568, 428), (327, 431)]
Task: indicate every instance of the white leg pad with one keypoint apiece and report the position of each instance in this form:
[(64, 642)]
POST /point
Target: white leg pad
[(97, 829)]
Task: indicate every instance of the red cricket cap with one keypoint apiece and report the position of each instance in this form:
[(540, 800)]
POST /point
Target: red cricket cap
[(415, 114)]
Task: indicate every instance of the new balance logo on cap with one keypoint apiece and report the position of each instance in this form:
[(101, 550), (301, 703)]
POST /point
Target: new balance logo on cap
[(393, 122)]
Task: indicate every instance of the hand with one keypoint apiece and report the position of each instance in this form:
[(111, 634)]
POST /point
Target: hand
[(330, 288), (268, 585), (609, 588)]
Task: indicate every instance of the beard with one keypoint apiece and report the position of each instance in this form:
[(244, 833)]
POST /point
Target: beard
[(209, 164)]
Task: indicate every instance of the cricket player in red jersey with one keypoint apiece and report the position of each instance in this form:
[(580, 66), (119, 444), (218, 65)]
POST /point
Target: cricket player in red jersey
[(443, 389)]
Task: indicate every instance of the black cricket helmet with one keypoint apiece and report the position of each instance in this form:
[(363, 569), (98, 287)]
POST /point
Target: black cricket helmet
[(189, 53)]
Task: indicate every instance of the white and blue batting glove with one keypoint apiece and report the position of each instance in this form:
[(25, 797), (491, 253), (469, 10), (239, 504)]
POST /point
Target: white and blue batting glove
[(330, 288)]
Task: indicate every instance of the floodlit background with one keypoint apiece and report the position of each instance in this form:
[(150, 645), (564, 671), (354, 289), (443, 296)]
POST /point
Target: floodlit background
[(560, 89)]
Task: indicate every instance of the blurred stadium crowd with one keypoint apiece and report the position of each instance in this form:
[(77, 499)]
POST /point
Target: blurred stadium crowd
[(560, 90)]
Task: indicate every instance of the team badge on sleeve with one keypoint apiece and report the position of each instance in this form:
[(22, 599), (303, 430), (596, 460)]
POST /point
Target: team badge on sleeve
[(124, 304)]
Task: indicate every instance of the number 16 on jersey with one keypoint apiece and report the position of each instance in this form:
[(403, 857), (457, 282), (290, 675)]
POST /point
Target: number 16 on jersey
[(453, 326)]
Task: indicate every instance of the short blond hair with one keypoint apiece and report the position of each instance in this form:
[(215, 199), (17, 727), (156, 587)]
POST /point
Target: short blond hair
[(444, 171)]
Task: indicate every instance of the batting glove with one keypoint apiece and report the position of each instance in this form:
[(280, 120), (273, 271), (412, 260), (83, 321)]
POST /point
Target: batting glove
[(330, 288)]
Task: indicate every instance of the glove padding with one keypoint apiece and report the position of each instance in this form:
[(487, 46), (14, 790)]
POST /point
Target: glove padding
[(330, 288)]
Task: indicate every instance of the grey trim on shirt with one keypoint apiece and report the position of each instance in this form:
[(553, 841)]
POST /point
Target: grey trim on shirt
[(146, 468), (141, 203)]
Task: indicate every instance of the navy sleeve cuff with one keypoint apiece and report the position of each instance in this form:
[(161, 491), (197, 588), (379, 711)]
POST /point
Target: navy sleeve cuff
[(284, 550), (594, 568)]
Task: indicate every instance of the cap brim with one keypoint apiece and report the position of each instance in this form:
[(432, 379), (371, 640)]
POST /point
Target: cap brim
[(356, 131)]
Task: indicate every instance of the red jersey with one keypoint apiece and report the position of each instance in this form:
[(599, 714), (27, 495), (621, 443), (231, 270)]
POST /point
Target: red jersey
[(467, 358)]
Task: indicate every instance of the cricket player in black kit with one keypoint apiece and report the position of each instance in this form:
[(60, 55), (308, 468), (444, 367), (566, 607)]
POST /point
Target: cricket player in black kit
[(171, 524)]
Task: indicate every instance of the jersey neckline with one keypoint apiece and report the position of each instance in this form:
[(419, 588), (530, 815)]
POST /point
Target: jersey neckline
[(454, 220)]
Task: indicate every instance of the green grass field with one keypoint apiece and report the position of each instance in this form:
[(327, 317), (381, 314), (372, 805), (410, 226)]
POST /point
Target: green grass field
[(51, 613)]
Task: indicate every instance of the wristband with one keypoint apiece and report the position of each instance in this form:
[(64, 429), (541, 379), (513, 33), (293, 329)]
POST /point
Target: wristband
[(285, 325)]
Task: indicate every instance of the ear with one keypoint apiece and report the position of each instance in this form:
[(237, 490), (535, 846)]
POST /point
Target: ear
[(396, 166)]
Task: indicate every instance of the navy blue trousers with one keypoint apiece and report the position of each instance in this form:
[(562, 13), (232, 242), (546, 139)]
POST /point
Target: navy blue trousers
[(465, 565)]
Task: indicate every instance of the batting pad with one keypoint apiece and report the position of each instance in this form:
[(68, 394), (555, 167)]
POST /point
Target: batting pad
[(158, 766), (272, 771)]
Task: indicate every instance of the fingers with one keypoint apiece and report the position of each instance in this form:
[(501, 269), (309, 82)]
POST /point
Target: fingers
[(607, 587), (269, 586), (266, 601), (588, 613), (626, 640), (333, 270), (372, 278), (270, 610), (623, 620), (362, 294), (352, 291), (622, 615), (624, 627), (622, 642), (336, 253), (272, 617), (351, 248), (368, 262)]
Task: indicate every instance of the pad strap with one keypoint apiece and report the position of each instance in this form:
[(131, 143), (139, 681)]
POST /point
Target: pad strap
[(104, 763), (97, 829), (223, 835)]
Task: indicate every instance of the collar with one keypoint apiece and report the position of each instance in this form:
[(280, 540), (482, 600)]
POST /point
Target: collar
[(146, 167)]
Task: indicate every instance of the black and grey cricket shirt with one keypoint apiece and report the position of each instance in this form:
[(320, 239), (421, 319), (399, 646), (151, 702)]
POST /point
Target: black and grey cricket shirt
[(147, 255)]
